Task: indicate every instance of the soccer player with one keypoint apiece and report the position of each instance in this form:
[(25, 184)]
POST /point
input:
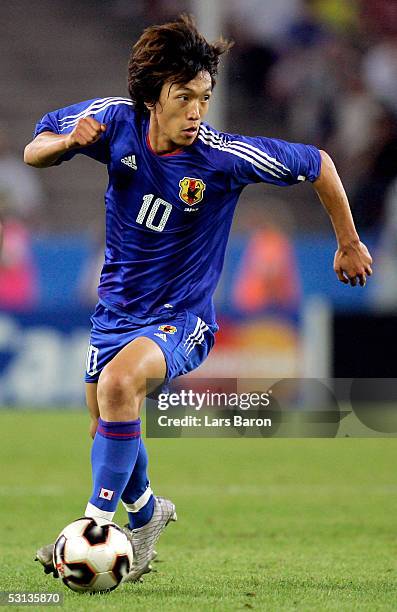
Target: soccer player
[(174, 183)]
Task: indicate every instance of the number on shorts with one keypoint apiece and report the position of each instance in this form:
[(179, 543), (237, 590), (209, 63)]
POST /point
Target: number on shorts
[(92, 360)]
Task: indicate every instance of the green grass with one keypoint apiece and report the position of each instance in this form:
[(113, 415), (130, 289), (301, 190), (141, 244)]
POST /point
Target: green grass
[(264, 524)]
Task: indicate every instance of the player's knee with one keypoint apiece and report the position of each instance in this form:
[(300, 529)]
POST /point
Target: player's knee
[(115, 387), (119, 394)]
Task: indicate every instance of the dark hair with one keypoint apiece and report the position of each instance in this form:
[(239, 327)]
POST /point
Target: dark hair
[(173, 51)]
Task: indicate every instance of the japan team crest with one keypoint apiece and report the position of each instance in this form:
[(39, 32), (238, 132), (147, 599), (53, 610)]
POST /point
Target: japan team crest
[(168, 329), (191, 190)]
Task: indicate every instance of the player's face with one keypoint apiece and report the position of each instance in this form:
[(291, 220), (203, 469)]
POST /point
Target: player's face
[(176, 118)]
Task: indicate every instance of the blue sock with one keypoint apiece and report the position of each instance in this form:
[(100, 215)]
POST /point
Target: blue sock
[(113, 456), (137, 497)]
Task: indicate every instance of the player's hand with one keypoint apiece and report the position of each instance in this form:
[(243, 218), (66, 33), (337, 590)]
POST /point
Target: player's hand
[(93, 427), (87, 131), (353, 263)]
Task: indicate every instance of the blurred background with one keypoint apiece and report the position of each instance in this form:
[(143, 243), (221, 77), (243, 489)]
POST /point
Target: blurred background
[(322, 72)]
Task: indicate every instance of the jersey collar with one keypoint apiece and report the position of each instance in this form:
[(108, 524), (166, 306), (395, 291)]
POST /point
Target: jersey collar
[(149, 146)]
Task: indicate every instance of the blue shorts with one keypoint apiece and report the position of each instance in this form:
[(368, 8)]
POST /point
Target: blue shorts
[(185, 340)]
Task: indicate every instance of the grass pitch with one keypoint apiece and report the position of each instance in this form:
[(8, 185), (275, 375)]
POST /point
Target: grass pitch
[(264, 524)]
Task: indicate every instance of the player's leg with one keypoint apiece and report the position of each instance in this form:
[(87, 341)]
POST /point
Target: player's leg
[(138, 481), (146, 359), (92, 405), (123, 383), (137, 498), (120, 392)]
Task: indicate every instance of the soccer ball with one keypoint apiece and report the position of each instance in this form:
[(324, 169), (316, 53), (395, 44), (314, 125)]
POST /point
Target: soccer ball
[(92, 555)]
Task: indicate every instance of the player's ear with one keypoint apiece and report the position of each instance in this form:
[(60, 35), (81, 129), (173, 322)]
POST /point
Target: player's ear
[(152, 106)]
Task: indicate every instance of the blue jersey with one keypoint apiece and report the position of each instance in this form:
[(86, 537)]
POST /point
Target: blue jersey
[(168, 216)]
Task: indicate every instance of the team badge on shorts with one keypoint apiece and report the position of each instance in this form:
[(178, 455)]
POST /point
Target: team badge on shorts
[(167, 329), (191, 190)]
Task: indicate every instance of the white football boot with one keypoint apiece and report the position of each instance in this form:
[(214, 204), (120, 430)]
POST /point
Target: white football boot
[(143, 539)]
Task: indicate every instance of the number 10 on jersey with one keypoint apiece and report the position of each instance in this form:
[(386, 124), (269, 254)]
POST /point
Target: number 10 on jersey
[(149, 209)]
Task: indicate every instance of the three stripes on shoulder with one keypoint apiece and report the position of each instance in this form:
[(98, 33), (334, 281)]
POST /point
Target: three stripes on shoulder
[(93, 108), (246, 151)]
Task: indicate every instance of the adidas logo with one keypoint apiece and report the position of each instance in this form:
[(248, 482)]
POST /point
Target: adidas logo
[(161, 336), (130, 161)]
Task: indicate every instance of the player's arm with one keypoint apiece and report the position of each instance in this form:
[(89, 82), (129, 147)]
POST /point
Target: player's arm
[(47, 147), (352, 259)]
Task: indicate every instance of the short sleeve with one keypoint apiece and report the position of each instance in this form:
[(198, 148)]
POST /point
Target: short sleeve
[(63, 121), (273, 161)]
